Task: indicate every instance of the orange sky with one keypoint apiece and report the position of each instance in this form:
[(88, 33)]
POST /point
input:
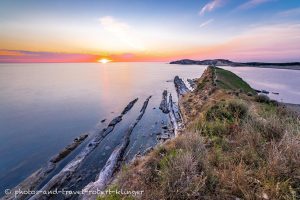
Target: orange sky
[(246, 30)]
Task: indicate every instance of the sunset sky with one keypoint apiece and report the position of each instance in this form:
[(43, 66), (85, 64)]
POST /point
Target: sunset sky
[(153, 30)]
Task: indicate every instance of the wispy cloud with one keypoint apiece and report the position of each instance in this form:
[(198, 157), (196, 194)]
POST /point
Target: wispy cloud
[(266, 42), (206, 23), (20, 56), (252, 3), (290, 13), (122, 31), (113, 25), (210, 6)]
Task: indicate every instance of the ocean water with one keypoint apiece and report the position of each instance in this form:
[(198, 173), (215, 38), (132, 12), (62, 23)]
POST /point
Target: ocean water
[(43, 107), (282, 81)]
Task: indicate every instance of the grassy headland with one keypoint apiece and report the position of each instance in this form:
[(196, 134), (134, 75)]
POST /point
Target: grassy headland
[(235, 145)]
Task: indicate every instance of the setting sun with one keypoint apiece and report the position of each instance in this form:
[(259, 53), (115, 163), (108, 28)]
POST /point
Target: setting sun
[(104, 60)]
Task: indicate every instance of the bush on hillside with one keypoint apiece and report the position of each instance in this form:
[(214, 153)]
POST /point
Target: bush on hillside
[(231, 111), (262, 98)]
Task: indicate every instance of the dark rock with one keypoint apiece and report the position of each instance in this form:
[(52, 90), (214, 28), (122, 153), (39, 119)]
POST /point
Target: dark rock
[(180, 86), (164, 127), (129, 106), (164, 102), (115, 121), (113, 162), (258, 91), (103, 120), (192, 83), (108, 130), (68, 149)]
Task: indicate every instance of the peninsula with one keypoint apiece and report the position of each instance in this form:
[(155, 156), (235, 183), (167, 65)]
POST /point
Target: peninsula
[(233, 144)]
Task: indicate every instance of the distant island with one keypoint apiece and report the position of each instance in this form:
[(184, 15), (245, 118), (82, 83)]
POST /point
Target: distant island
[(225, 62)]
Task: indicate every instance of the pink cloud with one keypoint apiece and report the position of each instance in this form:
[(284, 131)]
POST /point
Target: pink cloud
[(266, 43), (210, 6), (21, 56)]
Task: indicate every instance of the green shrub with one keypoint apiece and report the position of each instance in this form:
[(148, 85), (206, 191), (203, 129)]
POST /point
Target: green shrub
[(262, 98), (230, 111), (237, 109), (216, 128), (218, 112)]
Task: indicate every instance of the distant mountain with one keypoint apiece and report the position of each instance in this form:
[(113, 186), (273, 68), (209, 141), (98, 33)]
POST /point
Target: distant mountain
[(224, 62)]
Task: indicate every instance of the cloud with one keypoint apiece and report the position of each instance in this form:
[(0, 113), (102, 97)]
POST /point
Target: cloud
[(206, 23), (122, 31), (111, 24), (267, 42), (290, 13), (252, 3), (210, 6), (22, 56)]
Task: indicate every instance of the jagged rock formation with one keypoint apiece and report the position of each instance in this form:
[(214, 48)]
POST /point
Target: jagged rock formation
[(68, 149), (175, 117), (129, 106), (164, 102), (68, 171), (192, 83), (180, 86), (113, 162)]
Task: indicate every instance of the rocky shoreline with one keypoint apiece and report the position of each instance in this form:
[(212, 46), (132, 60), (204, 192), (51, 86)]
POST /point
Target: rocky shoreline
[(113, 162), (106, 175), (67, 172), (34, 180), (176, 122)]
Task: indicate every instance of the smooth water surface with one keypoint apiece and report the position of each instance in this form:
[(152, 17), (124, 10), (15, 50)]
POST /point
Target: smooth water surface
[(43, 107), (282, 81)]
